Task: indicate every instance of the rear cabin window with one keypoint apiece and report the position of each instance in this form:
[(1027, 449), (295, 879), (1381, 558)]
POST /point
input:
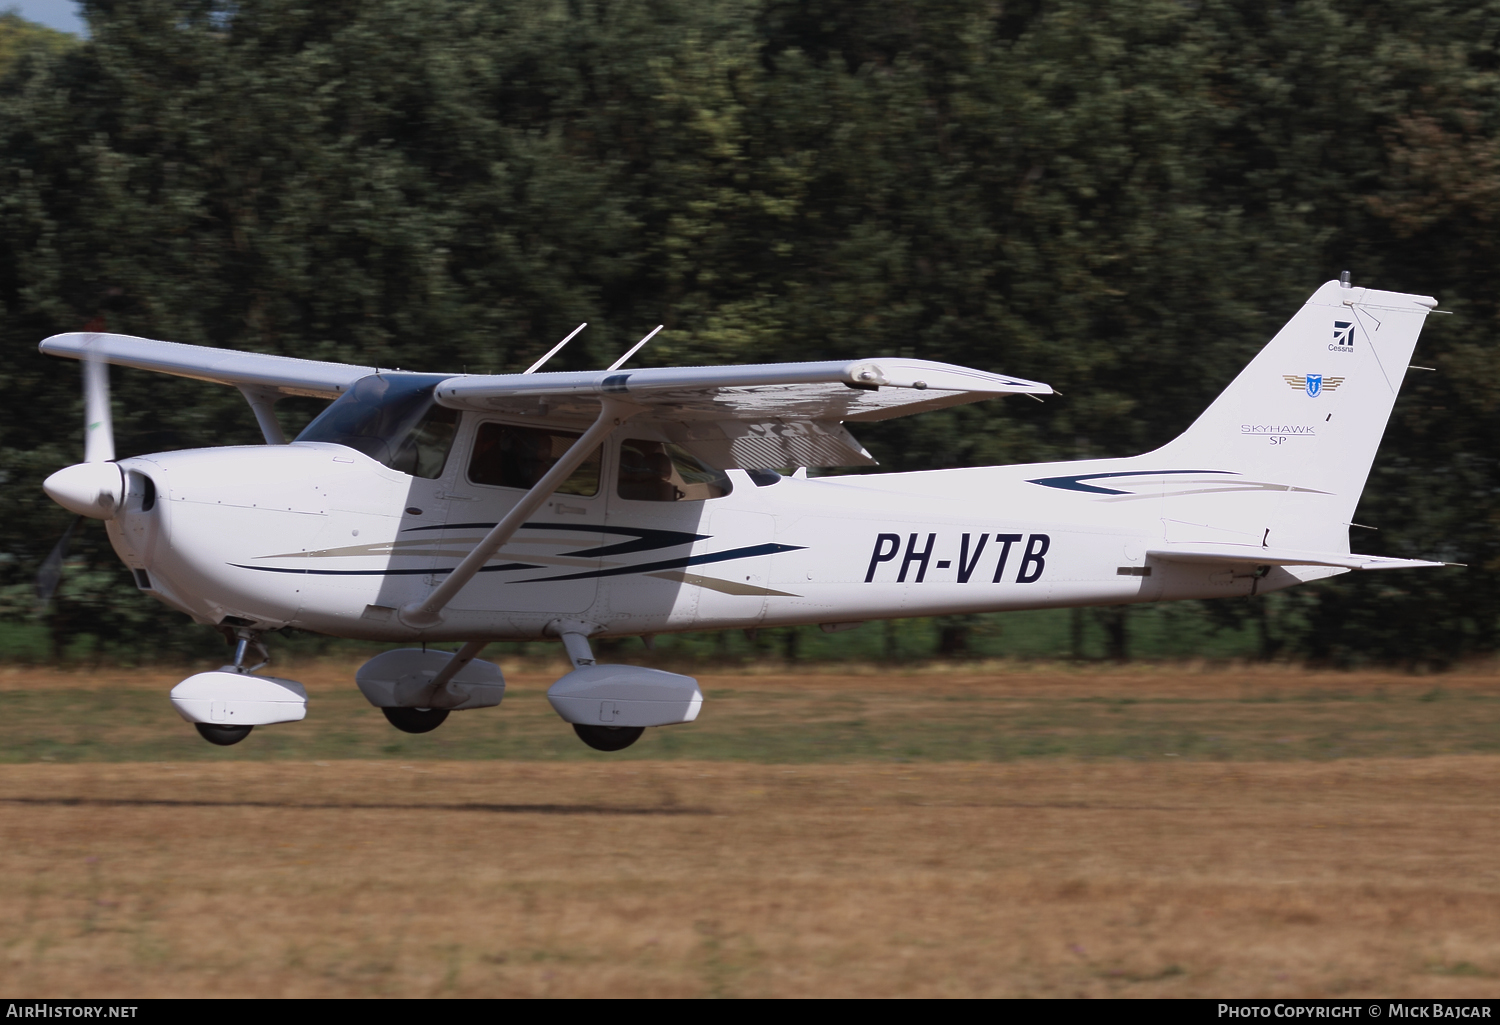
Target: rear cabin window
[(518, 457), (656, 471)]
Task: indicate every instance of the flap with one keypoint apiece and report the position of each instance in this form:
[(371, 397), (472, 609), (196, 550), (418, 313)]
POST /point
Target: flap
[(738, 445)]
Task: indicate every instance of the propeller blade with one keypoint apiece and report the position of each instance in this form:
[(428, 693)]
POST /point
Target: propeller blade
[(98, 431), (50, 575)]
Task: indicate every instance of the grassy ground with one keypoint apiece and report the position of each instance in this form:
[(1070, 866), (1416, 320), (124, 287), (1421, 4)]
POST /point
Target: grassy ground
[(965, 714), (1012, 830), (1359, 878)]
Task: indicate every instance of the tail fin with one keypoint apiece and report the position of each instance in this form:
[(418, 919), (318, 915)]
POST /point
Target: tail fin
[(1299, 426)]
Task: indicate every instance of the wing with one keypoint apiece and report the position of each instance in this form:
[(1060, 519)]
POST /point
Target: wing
[(748, 417), (282, 375)]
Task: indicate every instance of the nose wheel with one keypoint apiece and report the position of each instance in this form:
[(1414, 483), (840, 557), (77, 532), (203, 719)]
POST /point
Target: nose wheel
[(415, 720), (608, 738), (224, 736)]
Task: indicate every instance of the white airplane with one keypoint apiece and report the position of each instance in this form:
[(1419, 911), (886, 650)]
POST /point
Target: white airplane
[(478, 508)]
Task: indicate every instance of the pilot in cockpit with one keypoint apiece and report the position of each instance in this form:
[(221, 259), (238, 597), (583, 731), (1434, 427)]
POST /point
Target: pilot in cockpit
[(646, 472)]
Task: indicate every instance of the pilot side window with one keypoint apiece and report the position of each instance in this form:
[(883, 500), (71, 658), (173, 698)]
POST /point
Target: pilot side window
[(425, 449), (518, 457), (655, 471)]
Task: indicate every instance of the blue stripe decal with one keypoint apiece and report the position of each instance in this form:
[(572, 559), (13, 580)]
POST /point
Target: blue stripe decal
[(646, 538), (686, 560), (382, 572), (1075, 483)]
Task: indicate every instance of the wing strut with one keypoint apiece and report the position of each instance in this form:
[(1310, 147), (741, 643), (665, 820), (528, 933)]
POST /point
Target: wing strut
[(428, 611)]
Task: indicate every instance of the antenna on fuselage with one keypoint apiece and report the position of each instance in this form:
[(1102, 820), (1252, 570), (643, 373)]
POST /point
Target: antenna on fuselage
[(634, 349), (555, 349)]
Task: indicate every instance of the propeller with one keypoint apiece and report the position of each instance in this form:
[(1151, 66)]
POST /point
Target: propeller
[(93, 488), (98, 428), (50, 575)]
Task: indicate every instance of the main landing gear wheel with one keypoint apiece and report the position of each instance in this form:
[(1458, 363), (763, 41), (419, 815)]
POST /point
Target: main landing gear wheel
[(415, 720), (224, 736), (608, 738)]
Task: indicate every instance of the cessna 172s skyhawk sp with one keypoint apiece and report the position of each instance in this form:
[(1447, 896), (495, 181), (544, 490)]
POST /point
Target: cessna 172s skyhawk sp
[(462, 508)]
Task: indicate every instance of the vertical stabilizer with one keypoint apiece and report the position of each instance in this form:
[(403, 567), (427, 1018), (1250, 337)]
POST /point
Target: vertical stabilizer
[(1299, 427)]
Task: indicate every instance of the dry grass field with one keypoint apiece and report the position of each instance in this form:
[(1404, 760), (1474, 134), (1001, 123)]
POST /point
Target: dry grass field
[(1339, 837)]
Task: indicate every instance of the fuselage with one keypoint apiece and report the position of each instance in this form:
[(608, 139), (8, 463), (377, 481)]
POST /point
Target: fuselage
[(319, 536)]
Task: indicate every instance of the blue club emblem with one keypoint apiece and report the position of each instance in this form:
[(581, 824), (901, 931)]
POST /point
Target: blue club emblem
[(1314, 385)]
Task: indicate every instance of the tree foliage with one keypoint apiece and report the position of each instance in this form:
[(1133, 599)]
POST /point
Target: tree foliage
[(1122, 199)]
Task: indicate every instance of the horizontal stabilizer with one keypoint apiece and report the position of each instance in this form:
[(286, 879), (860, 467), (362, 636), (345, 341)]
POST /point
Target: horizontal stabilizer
[(1256, 556)]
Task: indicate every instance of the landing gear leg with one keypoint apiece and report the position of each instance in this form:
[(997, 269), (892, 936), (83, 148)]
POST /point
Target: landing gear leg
[(601, 738), (608, 738), (244, 640), (225, 704)]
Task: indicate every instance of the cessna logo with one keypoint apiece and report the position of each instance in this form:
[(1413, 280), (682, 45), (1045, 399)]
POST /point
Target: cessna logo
[(1343, 336), (1315, 384)]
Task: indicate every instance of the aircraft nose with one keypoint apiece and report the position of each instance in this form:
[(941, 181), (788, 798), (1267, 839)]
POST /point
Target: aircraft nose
[(88, 489)]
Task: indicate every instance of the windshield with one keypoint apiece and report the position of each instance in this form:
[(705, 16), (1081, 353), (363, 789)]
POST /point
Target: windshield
[(393, 419)]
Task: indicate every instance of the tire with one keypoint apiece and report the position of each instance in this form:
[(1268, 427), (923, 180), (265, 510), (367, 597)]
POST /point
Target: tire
[(608, 738), (415, 720), (224, 736)]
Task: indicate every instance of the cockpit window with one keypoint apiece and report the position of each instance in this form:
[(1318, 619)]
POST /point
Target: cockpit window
[(393, 419), (518, 457), (655, 471)]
